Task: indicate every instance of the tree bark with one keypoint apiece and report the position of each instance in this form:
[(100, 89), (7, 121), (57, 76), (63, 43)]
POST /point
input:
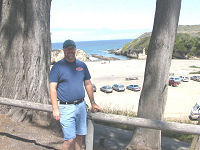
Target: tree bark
[(154, 93), (196, 141), (25, 55)]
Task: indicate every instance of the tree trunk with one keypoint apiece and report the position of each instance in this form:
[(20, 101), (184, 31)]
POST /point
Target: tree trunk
[(25, 55), (154, 93), (196, 141)]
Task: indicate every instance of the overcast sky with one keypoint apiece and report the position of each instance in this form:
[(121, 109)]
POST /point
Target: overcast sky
[(89, 20)]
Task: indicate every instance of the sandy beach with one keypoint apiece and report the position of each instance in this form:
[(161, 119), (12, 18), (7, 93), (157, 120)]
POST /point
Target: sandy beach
[(180, 99)]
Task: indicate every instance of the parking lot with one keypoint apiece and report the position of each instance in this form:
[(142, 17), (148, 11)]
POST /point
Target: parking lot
[(180, 99)]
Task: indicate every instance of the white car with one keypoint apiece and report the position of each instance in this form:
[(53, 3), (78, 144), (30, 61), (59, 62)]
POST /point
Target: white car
[(118, 87), (184, 78), (106, 89), (195, 112)]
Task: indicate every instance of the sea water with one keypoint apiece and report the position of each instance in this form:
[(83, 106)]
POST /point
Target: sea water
[(98, 47)]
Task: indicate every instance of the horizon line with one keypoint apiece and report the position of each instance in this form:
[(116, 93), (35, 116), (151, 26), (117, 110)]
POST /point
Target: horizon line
[(97, 40)]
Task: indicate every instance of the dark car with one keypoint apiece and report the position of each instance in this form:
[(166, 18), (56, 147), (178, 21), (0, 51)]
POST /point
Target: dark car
[(175, 79), (118, 87), (195, 78), (133, 87), (106, 89), (173, 82), (94, 88)]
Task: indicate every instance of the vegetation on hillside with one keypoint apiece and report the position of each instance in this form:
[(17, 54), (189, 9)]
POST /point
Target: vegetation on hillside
[(138, 44), (187, 42), (191, 29)]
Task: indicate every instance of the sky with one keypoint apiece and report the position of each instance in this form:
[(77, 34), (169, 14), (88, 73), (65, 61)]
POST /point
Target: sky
[(90, 20)]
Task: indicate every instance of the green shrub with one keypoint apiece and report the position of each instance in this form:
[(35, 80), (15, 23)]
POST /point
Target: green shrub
[(185, 43), (198, 72), (194, 66)]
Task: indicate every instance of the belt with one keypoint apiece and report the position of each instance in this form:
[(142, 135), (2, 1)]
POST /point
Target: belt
[(74, 102)]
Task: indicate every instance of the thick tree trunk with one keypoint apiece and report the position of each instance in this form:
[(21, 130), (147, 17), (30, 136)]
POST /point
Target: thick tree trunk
[(25, 54), (196, 141), (154, 93)]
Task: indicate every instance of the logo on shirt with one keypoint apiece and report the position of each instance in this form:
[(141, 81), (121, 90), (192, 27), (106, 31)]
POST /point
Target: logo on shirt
[(79, 68)]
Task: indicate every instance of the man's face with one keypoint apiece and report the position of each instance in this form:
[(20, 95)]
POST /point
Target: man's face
[(69, 53)]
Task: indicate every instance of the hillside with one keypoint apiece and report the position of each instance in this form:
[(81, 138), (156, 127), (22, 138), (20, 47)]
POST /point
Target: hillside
[(190, 29), (187, 43)]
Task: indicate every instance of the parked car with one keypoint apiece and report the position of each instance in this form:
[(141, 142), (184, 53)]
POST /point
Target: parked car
[(94, 88), (194, 78), (197, 78), (106, 89), (175, 79), (133, 87), (184, 78), (118, 87), (173, 82), (131, 78), (195, 112)]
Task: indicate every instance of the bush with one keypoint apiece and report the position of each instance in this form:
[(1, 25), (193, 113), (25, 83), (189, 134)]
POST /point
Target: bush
[(186, 44)]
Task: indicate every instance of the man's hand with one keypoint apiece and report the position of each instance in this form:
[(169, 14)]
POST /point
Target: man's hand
[(95, 107), (89, 89), (56, 114), (53, 95)]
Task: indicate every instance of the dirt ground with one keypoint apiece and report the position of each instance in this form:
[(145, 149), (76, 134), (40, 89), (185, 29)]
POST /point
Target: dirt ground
[(19, 136)]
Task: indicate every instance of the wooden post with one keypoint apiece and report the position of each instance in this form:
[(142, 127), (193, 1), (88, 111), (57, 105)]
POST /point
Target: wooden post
[(196, 140), (90, 135)]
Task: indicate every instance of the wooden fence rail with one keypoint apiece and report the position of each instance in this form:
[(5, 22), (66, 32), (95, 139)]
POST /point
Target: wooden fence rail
[(111, 118), (26, 104)]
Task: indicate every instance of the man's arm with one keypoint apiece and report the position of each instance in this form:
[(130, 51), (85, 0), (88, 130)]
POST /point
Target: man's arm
[(89, 89), (53, 95)]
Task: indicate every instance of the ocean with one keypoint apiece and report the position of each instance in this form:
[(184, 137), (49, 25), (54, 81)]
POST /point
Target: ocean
[(99, 47)]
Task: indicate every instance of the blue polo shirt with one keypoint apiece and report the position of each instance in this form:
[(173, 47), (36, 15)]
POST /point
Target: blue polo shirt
[(70, 77)]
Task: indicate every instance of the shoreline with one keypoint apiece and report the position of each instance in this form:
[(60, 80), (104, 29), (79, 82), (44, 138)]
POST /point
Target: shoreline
[(115, 55)]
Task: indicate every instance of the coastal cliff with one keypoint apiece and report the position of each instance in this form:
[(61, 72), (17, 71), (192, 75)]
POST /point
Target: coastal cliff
[(187, 44)]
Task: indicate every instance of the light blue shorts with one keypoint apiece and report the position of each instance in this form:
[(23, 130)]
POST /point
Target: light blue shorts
[(73, 120)]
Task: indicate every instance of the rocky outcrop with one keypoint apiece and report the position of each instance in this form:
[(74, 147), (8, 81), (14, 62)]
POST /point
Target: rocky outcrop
[(57, 55), (104, 58), (82, 55), (115, 51), (129, 53)]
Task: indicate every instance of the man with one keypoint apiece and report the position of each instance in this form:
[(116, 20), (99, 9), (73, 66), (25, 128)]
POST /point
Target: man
[(68, 77)]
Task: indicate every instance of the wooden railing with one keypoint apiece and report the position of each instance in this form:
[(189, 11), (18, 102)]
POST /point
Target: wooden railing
[(111, 118)]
